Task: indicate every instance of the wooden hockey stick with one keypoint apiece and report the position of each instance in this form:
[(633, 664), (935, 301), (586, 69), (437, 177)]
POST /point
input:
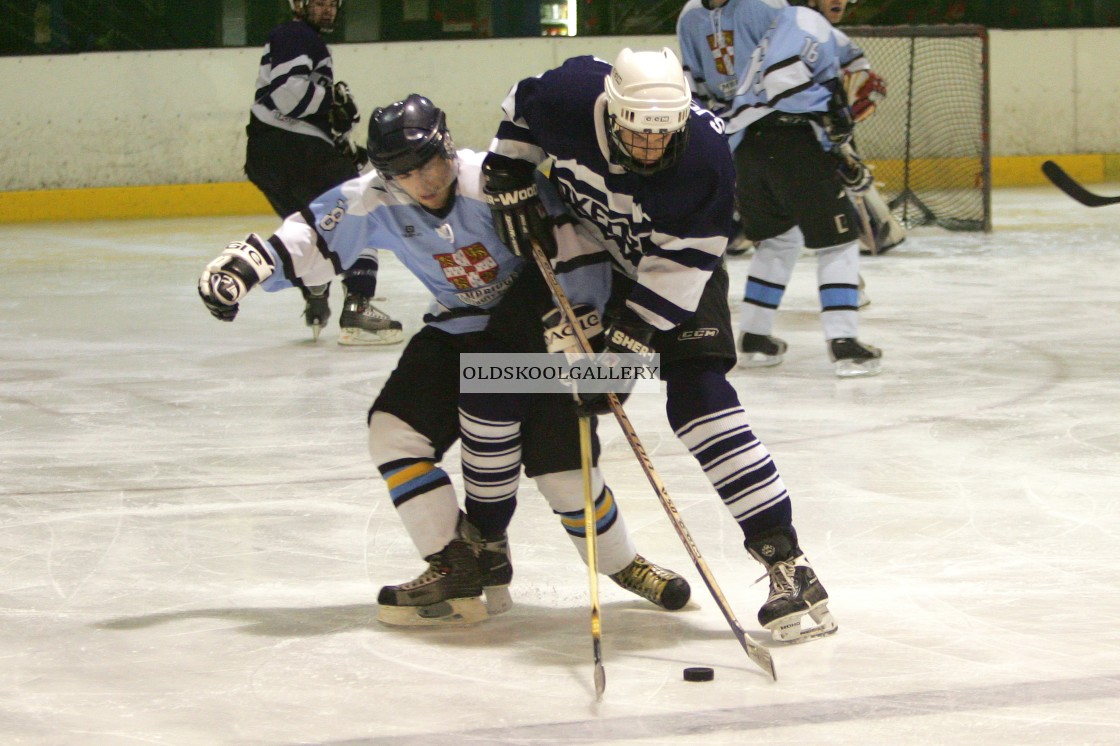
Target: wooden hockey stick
[(1066, 183), (756, 652), (591, 534)]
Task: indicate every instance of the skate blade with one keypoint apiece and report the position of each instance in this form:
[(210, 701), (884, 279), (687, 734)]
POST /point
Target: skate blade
[(454, 612), (789, 631), (498, 600), (758, 360), (361, 338), (858, 369)]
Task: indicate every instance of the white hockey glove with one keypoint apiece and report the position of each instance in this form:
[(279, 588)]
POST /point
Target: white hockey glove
[(344, 112), (559, 336), (852, 171), (519, 216), (865, 90), (227, 279)]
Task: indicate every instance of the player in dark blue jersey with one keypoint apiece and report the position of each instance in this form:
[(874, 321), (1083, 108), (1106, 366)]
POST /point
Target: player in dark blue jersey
[(651, 177), (423, 202), (299, 147)]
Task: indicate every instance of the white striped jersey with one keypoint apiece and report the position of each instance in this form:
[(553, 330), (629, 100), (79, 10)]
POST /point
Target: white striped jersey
[(295, 81), (667, 230), (458, 256)]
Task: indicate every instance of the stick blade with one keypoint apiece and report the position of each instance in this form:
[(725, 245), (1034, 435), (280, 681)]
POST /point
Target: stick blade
[(600, 681), (1059, 178)]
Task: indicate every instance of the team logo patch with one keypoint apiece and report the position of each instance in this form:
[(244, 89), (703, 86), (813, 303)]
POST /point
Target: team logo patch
[(723, 50), (469, 267)]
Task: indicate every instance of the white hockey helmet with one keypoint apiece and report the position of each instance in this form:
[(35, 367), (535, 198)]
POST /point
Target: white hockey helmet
[(647, 93)]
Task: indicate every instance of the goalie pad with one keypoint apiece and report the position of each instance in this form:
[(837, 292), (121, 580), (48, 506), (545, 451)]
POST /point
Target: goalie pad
[(885, 230)]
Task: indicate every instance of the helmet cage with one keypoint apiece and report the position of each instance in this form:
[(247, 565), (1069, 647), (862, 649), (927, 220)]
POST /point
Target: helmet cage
[(405, 135), (647, 93)]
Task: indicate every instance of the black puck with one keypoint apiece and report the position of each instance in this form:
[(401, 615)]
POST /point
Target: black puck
[(700, 673)]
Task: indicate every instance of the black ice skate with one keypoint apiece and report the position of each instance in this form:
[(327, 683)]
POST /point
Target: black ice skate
[(657, 584), (853, 358), (494, 564), (363, 323), (794, 589), (447, 593), (760, 350), (316, 309)]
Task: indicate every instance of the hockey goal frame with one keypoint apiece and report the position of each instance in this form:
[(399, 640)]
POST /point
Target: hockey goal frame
[(903, 198)]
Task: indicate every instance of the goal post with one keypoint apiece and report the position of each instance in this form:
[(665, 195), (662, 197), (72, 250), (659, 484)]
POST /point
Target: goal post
[(929, 139)]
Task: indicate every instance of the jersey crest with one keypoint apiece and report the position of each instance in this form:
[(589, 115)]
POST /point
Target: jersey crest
[(469, 267), (723, 51)]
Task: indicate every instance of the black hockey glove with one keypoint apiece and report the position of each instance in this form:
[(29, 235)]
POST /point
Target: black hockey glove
[(227, 279), (519, 217), (358, 155), (837, 121), (344, 112), (627, 335)]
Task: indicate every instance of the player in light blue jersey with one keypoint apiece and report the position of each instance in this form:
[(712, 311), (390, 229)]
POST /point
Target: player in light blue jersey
[(650, 176), (792, 125), (423, 203)]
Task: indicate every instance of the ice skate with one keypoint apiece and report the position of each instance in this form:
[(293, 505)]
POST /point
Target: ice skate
[(853, 358), (316, 308), (739, 245), (365, 324), (760, 350), (794, 589), (494, 564), (661, 586), (448, 593)]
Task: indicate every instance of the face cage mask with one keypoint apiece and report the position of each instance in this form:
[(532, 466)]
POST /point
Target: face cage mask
[(674, 149)]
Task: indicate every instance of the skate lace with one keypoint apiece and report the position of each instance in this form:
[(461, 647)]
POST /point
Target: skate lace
[(433, 573), (781, 579), (644, 578)]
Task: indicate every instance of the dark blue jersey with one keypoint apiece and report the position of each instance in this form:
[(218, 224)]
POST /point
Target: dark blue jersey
[(668, 230), (294, 81)]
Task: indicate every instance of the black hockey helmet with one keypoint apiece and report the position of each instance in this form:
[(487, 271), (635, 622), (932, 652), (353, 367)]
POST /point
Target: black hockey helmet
[(405, 135)]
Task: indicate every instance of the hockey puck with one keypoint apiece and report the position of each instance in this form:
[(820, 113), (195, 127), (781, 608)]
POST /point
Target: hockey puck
[(700, 673)]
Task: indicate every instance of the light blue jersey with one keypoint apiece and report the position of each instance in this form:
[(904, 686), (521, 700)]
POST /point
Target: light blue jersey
[(788, 71), (718, 48), (458, 256)]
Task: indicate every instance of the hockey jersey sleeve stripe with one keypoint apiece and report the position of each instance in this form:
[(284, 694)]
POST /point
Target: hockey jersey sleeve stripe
[(321, 243), (786, 78), (659, 311), (690, 257), (280, 249)]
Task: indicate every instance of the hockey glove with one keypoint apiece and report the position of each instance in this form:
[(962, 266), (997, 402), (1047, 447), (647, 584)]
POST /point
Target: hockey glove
[(865, 90), (356, 153), (560, 336), (628, 335), (837, 121), (519, 217), (227, 279), (852, 171), (344, 112)]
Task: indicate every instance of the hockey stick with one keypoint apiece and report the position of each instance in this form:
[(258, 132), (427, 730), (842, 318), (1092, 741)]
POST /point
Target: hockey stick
[(1065, 182), (590, 531), (760, 655)]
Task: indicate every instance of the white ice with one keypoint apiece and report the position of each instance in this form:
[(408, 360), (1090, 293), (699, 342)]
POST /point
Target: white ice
[(192, 534)]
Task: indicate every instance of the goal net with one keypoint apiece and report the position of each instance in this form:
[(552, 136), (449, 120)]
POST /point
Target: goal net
[(928, 140)]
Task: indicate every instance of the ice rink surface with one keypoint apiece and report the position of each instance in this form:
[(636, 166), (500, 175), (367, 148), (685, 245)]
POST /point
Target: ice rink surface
[(192, 534)]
